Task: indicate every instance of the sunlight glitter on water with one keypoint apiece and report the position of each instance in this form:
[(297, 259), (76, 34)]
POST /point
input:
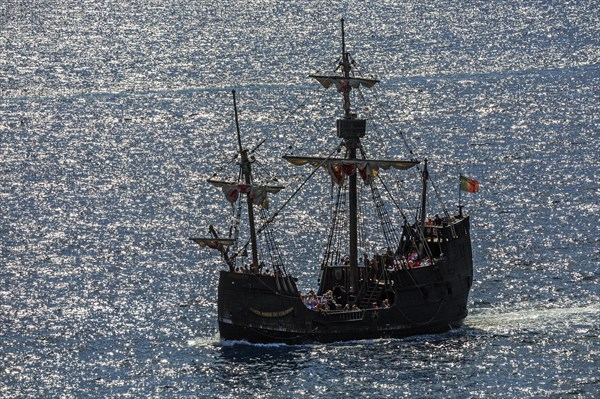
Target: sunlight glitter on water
[(112, 115)]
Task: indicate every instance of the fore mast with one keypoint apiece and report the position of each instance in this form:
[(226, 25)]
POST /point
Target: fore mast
[(233, 190), (246, 170)]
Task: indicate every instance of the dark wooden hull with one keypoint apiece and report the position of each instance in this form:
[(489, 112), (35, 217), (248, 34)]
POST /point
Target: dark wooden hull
[(431, 299)]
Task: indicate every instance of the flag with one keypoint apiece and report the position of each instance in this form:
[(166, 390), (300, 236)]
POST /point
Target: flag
[(468, 185)]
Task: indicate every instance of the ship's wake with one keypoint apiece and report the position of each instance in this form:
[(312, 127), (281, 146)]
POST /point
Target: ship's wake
[(536, 317)]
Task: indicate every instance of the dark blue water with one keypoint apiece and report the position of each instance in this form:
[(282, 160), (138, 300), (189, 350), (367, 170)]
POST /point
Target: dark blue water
[(113, 114)]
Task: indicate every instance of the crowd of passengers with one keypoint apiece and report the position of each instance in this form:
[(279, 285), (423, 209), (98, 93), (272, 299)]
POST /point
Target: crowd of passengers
[(262, 270), (329, 301), (432, 226), (412, 260), (391, 262)]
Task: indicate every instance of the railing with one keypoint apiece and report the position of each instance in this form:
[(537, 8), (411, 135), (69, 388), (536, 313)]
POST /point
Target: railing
[(344, 315)]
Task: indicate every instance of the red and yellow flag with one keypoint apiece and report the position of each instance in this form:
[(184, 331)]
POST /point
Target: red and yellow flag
[(468, 185)]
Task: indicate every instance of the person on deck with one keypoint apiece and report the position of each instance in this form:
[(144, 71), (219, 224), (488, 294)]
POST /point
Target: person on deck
[(429, 228), (389, 258)]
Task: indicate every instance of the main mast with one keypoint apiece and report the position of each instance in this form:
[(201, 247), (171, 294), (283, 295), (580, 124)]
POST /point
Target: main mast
[(350, 129)]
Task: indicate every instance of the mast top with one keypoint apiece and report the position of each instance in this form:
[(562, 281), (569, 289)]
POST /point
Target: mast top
[(237, 123), (344, 53), (344, 83)]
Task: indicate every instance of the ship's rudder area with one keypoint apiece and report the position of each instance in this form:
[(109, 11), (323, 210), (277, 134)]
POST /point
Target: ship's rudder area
[(261, 308)]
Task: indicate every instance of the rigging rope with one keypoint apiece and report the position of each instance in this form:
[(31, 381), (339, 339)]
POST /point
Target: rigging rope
[(272, 248), (314, 124), (408, 147), (276, 213)]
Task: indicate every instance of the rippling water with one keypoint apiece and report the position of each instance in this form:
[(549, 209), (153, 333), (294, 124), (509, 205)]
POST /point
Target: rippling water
[(113, 114)]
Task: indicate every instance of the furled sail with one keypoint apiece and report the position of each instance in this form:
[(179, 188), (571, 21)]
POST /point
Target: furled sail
[(339, 168), (214, 243), (341, 82), (257, 193)]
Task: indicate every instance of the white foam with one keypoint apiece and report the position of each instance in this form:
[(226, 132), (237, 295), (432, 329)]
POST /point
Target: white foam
[(535, 317)]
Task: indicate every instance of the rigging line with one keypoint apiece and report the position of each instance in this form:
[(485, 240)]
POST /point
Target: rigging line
[(400, 132), (316, 102), (271, 246), (394, 201), (362, 234), (364, 155), (327, 254), (420, 233), (356, 71), (286, 118), (330, 257), (378, 130), (377, 127), (442, 203), (439, 198), (276, 213), (387, 227), (315, 127), (405, 141), (382, 213), (338, 63), (233, 158), (296, 108), (256, 147), (234, 228), (369, 112), (402, 135), (402, 190)]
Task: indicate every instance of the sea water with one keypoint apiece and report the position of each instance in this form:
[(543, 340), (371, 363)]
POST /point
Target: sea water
[(114, 114)]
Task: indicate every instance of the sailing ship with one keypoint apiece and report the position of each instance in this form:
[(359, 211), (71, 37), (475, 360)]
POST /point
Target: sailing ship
[(419, 284)]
